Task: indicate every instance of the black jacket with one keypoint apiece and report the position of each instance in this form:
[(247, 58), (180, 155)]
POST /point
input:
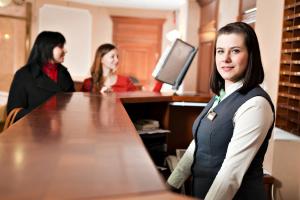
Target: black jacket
[(31, 87)]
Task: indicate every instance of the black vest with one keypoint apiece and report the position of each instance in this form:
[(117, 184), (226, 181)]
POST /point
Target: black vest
[(212, 138)]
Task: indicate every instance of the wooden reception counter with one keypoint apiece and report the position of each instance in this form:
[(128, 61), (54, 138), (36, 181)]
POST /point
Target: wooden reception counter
[(84, 146)]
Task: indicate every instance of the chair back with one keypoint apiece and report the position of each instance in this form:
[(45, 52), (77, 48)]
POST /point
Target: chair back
[(11, 117), (2, 116)]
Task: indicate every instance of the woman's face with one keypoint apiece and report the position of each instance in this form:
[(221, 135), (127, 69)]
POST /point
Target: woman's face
[(59, 53), (231, 57), (110, 60)]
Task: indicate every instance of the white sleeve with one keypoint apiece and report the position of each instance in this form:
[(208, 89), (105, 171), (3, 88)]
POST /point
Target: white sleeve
[(251, 124), (183, 169)]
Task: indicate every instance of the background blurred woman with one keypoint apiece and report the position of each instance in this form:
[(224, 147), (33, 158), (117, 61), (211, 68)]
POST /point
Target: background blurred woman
[(104, 77)]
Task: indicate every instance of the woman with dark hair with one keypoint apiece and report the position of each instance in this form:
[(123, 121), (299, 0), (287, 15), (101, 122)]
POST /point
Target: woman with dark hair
[(231, 134), (103, 71), (42, 76)]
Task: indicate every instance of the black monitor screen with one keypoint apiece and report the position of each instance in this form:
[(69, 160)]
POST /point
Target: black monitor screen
[(175, 63)]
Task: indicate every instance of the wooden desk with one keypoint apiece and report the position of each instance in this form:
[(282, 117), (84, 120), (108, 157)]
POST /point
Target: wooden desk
[(176, 118), (85, 147)]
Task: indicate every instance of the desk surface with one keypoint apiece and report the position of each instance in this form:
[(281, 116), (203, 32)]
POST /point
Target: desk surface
[(84, 147)]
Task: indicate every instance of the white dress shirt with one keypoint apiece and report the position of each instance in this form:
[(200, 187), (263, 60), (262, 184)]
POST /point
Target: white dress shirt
[(251, 124)]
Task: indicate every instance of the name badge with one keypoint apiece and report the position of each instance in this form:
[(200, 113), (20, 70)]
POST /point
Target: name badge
[(211, 115)]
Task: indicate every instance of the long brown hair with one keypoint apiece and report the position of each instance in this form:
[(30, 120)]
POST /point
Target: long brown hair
[(96, 69)]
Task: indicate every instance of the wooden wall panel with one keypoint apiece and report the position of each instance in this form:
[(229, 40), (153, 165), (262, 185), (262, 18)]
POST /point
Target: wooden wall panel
[(139, 43), (288, 101), (15, 23)]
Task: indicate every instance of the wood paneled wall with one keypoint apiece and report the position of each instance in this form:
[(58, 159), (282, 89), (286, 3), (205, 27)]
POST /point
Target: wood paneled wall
[(139, 43)]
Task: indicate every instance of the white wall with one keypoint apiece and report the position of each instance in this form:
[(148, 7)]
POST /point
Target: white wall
[(228, 12), (101, 29), (269, 35), (76, 25), (183, 19), (191, 36), (286, 165)]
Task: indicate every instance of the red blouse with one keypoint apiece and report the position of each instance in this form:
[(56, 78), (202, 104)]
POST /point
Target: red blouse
[(123, 84), (51, 71), (157, 86)]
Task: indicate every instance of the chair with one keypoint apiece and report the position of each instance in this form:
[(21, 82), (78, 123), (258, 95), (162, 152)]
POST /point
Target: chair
[(269, 182), (11, 118)]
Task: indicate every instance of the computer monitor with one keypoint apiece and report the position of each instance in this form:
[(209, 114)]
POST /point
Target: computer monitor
[(174, 63)]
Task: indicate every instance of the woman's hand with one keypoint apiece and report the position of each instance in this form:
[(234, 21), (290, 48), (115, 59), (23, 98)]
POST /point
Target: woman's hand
[(105, 89)]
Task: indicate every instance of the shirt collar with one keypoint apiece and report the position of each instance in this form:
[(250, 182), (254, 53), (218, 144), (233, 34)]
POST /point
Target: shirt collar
[(50, 66), (233, 87), (221, 96)]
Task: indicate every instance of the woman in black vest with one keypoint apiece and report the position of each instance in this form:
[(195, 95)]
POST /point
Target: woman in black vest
[(231, 134), (42, 76)]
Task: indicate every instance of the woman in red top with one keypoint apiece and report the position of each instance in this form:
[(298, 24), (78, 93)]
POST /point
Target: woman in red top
[(103, 71)]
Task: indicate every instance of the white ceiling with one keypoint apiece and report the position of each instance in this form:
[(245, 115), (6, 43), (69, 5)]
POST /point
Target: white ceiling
[(143, 4)]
